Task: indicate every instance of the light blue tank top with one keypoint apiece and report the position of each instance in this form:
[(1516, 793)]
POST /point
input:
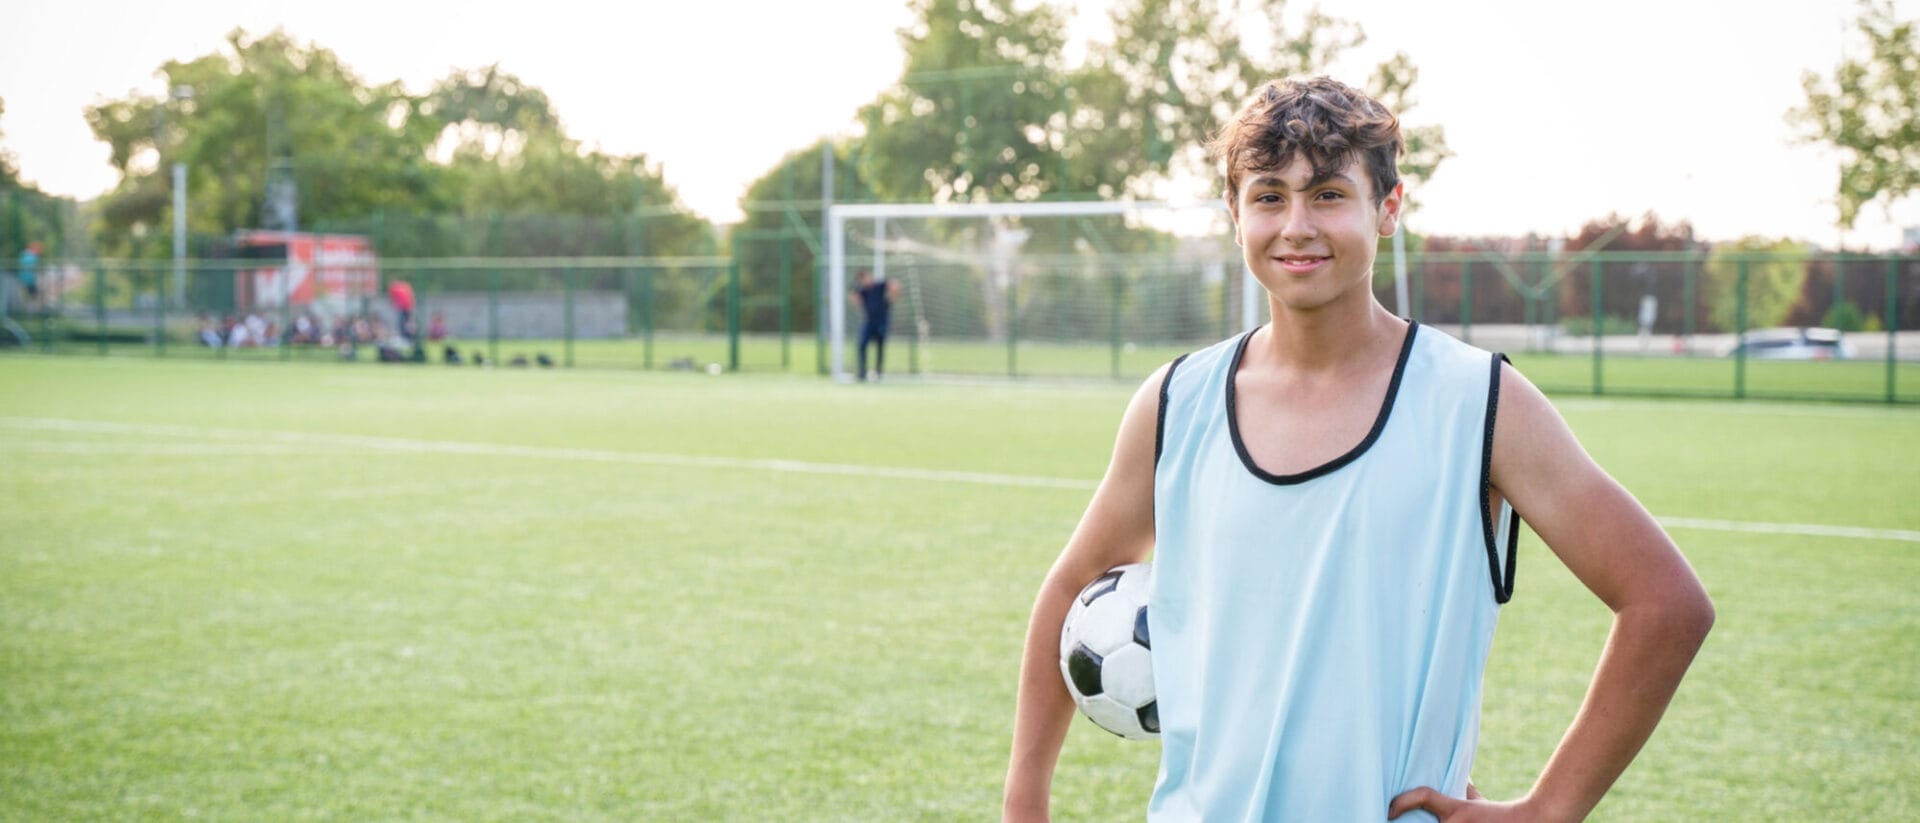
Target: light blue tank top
[(1319, 638)]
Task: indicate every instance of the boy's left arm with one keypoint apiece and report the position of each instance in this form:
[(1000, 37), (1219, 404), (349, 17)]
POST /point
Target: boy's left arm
[(1661, 613)]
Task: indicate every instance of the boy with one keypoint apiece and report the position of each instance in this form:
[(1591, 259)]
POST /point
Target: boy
[(1330, 503)]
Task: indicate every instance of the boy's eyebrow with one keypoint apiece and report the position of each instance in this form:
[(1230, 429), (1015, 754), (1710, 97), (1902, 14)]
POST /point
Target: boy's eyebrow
[(1274, 181)]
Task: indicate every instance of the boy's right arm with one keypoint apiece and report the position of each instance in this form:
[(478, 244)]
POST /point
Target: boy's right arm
[(1117, 528)]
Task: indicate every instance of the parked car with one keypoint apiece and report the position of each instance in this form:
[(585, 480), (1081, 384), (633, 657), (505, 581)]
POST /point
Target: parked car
[(1793, 344)]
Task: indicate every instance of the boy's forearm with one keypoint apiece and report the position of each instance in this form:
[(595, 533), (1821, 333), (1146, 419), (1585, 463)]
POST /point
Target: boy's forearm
[(1648, 651), (1044, 712)]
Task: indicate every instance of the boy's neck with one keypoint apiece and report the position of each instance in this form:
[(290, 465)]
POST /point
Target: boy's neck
[(1330, 338)]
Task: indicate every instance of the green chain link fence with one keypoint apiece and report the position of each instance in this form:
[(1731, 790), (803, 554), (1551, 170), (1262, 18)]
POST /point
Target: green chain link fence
[(1732, 325)]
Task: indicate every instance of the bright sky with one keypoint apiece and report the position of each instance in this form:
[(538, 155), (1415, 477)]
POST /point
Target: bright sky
[(1556, 112)]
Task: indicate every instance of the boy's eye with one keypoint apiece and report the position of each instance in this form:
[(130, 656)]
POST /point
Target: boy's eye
[(1329, 195)]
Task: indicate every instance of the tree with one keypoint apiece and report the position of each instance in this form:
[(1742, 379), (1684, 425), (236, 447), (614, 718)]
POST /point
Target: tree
[(263, 100), (1776, 273), (1870, 110), (1625, 283), (782, 229), (480, 144), (1176, 70), (976, 112), (988, 109)]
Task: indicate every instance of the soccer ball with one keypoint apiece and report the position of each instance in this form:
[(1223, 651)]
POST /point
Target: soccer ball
[(1105, 657)]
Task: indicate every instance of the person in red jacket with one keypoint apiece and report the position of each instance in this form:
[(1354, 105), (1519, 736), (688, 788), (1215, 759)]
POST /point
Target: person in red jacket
[(401, 293)]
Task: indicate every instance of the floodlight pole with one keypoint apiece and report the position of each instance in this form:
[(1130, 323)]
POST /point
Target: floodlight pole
[(179, 234), (180, 93)]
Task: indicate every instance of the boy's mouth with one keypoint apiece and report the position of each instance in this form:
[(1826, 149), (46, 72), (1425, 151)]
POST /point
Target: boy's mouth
[(1300, 263)]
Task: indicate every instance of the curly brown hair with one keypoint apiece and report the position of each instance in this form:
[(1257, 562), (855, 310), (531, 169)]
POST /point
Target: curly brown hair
[(1324, 119)]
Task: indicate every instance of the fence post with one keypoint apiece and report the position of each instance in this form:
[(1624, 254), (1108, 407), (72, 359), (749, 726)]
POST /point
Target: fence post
[(1893, 321), (569, 275), (1466, 300), (1013, 324), (919, 311), (733, 311), (493, 313), (1226, 302), (820, 296), (1686, 318), (1599, 323), (496, 246), (100, 306), (646, 315), (159, 313), (46, 309), (786, 296), (1740, 332), (1113, 319), (1419, 309), (286, 317)]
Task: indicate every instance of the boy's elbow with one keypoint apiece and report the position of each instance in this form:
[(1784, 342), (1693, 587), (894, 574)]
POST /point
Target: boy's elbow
[(1703, 617), (1679, 614), (1689, 616)]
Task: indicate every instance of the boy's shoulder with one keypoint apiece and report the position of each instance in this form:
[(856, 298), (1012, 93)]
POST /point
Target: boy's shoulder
[(1196, 364)]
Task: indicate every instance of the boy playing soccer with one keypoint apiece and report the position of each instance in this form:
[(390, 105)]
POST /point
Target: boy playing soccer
[(1330, 501)]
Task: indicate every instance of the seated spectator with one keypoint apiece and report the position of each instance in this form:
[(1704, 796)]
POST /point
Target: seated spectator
[(210, 333), (305, 329), (437, 328)]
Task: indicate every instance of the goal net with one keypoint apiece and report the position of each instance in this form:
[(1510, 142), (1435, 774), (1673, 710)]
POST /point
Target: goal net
[(1064, 289)]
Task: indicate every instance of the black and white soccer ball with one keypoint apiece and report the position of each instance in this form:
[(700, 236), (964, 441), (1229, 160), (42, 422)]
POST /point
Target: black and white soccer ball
[(1105, 654)]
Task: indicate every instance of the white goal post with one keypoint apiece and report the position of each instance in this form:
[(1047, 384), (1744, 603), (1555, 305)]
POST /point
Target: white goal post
[(839, 216)]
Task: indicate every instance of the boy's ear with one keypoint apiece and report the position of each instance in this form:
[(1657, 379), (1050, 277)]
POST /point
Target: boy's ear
[(1390, 209)]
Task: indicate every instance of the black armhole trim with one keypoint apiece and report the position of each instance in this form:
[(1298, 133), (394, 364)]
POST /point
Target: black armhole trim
[(1160, 421), (1502, 579), (1379, 420)]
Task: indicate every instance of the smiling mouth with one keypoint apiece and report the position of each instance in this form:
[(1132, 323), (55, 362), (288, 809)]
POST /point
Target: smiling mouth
[(1294, 262)]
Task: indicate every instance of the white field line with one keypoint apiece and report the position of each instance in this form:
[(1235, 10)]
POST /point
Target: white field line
[(398, 444), (1766, 408), (262, 438), (1811, 530), (154, 449)]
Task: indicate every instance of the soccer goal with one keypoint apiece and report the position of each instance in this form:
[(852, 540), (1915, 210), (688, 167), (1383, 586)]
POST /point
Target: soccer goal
[(1107, 289)]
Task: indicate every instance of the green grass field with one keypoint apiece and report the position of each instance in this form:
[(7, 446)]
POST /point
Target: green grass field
[(270, 591)]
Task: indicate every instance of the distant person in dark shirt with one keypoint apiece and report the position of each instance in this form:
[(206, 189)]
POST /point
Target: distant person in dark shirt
[(876, 301)]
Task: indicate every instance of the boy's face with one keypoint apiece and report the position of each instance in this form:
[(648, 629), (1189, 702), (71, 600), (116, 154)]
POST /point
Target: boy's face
[(1312, 243)]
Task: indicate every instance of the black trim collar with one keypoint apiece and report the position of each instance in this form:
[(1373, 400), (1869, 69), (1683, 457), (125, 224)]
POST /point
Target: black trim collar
[(1379, 420)]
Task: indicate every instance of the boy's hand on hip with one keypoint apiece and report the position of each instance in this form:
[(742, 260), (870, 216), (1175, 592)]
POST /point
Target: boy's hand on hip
[(1473, 809)]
